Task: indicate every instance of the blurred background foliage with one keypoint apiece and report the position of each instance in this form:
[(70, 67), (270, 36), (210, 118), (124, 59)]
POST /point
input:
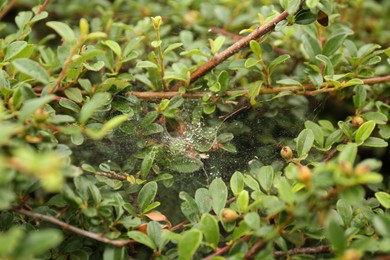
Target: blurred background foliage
[(82, 144)]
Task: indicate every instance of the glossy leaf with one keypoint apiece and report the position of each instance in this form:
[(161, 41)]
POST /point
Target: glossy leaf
[(210, 229), (189, 243), (146, 195), (32, 69), (64, 30), (218, 191), (304, 141)]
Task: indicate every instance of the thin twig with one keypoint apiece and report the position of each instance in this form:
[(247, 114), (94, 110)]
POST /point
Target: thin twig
[(43, 6), (330, 155), (226, 248), (252, 252), (304, 250), (112, 176), (7, 8), (66, 226), (235, 47), (303, 90)]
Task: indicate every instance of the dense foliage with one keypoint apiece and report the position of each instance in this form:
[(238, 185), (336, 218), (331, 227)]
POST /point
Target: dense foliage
[(193, 128)]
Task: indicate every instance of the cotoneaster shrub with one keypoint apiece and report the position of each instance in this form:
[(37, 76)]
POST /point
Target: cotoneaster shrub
[(194, 129)]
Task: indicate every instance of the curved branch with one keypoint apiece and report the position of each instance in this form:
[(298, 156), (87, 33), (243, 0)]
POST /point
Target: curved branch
[(306, 89), (240, 44), (304, 250), (82, 232)]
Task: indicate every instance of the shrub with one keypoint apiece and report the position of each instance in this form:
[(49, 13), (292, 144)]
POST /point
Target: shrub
[(194, 129)]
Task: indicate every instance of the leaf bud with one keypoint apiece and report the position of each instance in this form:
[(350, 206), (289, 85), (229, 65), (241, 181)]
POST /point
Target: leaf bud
[(346, 168), (229, 215), (304, 174), (157, 21), (350, 254), (362, 169), (357, 121), (286, 152), (84, 26)]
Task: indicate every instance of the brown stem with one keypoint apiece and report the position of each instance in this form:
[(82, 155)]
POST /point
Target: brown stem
[(7, 8), (74, 229), (302, 90), (252, 252), (112, 176), (226, 248), (235, 47), (43, 6), (330, 155), (304, 250)]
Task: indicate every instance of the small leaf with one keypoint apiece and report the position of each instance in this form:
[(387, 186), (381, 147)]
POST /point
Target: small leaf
[(97, 100), (146, 64), (147, 164), (74, 94), (188, 244), (113, 252), (14, 49), (333, 43), (336, 237), (317, 131), (115, 47), (345, 211), (293, 6), (348, 154), (64, 30), (266, 177), (375, 142), (285, 191), (32, 69), (304, 141), (209, 226), (146, 195), (243, 201), (142, 238), (255, 47), (289, 82), (218, 191), (38, 242), (364, 131), (237, 183), (30, 106), (280, 59)]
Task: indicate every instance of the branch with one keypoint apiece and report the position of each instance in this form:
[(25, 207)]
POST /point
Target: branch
[(43, 6), (303, 90), (66, 226), (7, 8), (252, 252), (226, 248), (112, 176), (304, 250), (240, 44)]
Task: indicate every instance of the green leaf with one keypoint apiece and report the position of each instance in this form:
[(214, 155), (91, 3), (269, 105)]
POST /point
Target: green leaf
[(375, 142), (317, 131), (346, 129), (64, 30), (74, 94), (304, 142), (266, 177), (146, 64), (147, 163), (184, 164), (10, 239), (254, 91), (250, 62), (114, 253), (383, 198), (210, 228), (285, 191), (305, 17), (32, 69), (146, 195), (364, 131), (39, 242), (216, 44), (293, 6), (188, 244), (279, 60), (142, 238), (335, 235), (378, 117), (251, 182), (203, 199), (329, 70), (189, 207), (218, 191), (88, 109), (333, 44), (289, 82), (172, 47), (255, 47), (345, 211), (312, 3), (348, 154), (237, 183), (14, 49), (359, 99), (30, 106), (243, 201), (115, 47)]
